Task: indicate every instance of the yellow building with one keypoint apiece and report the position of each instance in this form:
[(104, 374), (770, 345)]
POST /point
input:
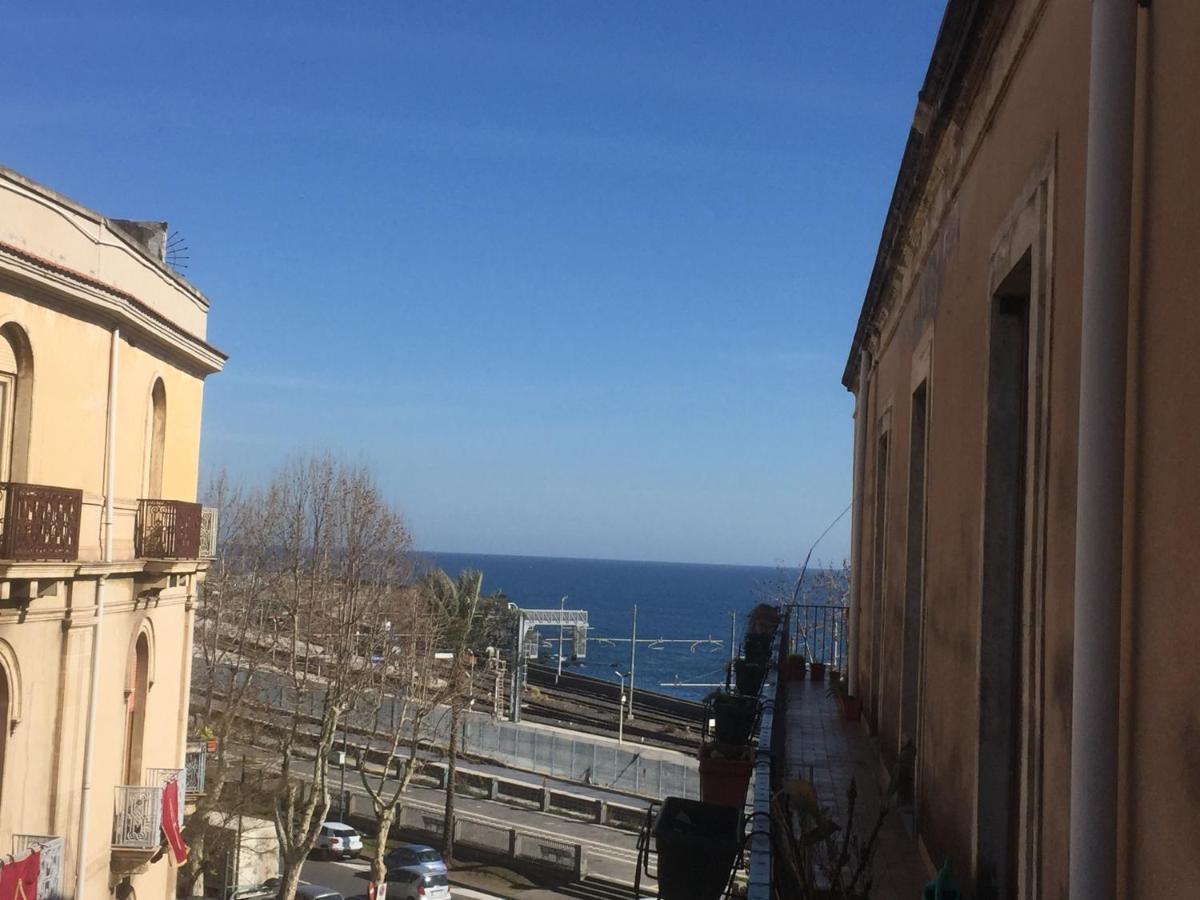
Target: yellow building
[(102, 365)]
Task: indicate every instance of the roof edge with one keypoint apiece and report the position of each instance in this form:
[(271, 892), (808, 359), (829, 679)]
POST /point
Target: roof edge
[(953, 52)]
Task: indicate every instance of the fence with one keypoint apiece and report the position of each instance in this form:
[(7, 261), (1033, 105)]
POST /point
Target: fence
[(50, 862), (592, 762), (582, 758), (819, 633)]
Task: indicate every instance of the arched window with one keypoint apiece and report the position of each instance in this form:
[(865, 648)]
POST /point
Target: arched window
[(135, 710), (16, 388), (158, 439)]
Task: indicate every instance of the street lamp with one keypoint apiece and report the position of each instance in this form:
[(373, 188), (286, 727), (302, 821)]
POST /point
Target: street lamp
[(562, 606), (620, 706)]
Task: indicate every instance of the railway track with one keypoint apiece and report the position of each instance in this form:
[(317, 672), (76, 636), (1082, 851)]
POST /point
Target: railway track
[(590, 705)]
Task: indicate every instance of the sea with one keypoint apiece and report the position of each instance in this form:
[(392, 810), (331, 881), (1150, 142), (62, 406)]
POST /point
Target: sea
[(693, 608)]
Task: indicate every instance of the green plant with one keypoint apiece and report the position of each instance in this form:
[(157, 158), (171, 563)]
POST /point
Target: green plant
[(827, 860)]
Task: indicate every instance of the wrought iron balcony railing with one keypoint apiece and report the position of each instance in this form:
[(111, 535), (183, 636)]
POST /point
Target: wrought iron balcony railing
[(159, 778), (168, 529), (208, 532), (40, 522), (50, 863), (137, 820), (195, 763)]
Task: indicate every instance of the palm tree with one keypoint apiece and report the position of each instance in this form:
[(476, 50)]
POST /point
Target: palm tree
[(457, 602)]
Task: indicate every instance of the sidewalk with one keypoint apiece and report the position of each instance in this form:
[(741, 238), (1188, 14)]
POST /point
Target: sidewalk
[(825, 749)]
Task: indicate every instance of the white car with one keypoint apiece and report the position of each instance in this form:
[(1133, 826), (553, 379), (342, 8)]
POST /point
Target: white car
[(415, 884), (338, 839)]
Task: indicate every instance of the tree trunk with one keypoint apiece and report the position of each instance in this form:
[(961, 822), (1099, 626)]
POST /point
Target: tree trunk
[(384, 818), (451, 771), (289, 878)]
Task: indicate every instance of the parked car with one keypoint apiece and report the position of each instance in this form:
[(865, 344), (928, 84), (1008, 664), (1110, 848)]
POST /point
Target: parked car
[(306, 891), (414, 884), (417, 857), (338, 839)]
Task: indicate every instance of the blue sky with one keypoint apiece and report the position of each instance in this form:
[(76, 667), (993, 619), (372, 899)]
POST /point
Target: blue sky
[(575, 278)]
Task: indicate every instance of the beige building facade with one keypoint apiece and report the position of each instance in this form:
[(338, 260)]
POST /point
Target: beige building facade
[(103, 357), (1027, 496)]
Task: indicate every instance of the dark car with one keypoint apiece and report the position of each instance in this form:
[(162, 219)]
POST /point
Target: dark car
[(415, 856), (317, 892)]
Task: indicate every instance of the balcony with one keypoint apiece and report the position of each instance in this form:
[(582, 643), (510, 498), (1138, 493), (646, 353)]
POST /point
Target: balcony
[(50, 863), (41, 523), (168, 529), (137, 827)]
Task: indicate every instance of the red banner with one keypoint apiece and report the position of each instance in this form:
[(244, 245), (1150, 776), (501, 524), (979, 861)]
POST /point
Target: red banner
[(170, 823), (19, 878)]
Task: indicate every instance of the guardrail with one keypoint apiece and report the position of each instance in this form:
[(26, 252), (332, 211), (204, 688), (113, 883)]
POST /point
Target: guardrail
[(819, 632)]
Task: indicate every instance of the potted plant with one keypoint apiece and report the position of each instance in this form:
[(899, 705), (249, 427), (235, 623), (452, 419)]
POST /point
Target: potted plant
[(748, 676), (764, 619), (206, 734), (794, 667), (816, 670), (733, 717), (757, 647), (725, 773), (850, 706), (697, 843)]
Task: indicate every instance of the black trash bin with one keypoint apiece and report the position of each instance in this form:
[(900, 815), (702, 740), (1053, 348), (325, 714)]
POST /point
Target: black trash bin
[(697, 845)]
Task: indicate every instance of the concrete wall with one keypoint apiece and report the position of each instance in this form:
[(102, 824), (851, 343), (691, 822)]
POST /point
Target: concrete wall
[(1021, 131)]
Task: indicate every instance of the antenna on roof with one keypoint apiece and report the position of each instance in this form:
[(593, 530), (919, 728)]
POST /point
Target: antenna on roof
[(177, 251)]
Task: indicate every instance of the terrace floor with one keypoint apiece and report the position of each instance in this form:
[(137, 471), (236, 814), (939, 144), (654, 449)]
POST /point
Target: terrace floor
[(826, 750)]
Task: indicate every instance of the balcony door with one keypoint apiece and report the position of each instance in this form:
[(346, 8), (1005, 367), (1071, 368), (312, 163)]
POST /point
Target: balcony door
[(136, 695), (8, 405), (157, 437)]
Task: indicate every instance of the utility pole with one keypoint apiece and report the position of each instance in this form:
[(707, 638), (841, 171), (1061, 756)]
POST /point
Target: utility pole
[(632, 660), (620, 707), (562, 607)]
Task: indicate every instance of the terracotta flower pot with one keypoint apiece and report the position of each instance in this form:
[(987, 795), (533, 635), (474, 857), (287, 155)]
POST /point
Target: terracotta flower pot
[(212, 745), (817, 671), (851, 707), (725, 774)]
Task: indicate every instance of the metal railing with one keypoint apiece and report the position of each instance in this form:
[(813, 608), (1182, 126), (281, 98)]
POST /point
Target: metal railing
[(168, 529), (137, 818), (160, 777), (819, 632), (195, 764), (772, 700), (209, 520), (40, 522), (50, 862)]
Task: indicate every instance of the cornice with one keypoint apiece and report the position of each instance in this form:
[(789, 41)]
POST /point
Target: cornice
[(969, 32), (122, 307)]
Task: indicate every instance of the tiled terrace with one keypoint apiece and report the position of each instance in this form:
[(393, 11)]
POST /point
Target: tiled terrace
[(826, 750)]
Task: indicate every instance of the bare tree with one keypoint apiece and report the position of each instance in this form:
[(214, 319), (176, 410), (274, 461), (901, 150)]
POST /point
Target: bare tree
[(400, 701), (342, 555), (231, 646)]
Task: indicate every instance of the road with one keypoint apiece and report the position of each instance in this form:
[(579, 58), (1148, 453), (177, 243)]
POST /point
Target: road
[(349, 878)]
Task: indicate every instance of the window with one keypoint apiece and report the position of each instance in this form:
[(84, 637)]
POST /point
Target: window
[(135, 715), (157, 438), (16, 384)]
